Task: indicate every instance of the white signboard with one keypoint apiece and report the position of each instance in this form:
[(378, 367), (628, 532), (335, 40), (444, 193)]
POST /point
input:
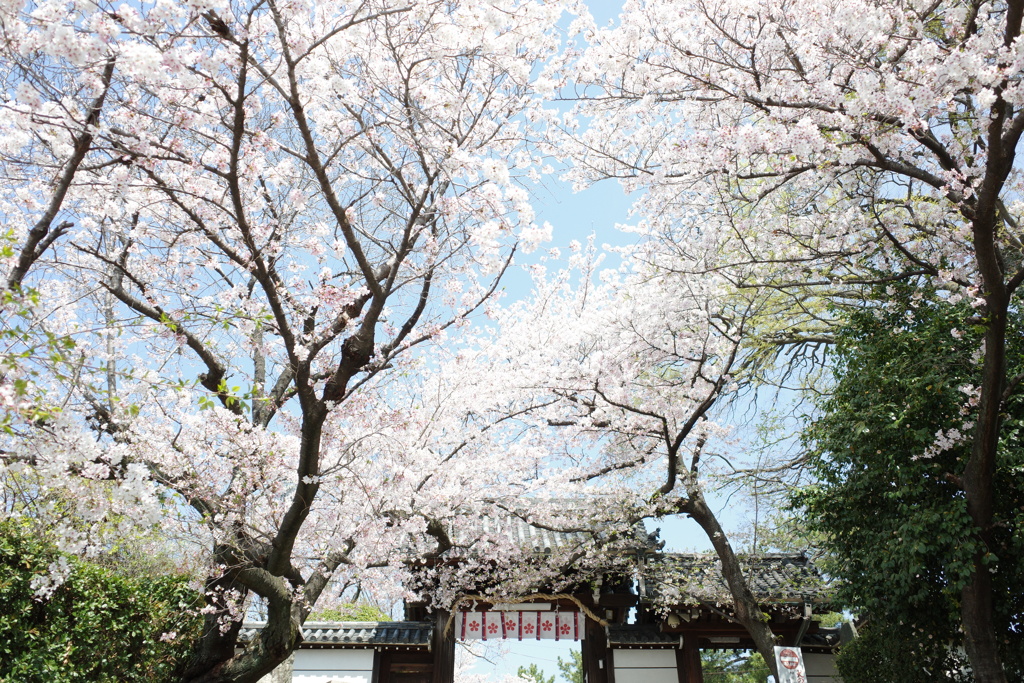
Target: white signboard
[(516, 625), (790, 662)]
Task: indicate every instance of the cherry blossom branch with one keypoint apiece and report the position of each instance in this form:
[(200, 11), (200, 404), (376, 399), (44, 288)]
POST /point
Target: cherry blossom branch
[(213, 379), (312, 157), (40, 237)]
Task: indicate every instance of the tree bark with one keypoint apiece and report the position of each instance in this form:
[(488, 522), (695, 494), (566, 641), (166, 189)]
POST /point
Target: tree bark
[(976, 600), (748, 612), (41, 235)]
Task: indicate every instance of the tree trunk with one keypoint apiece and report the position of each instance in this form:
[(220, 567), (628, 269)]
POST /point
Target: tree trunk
[(976, 597), (275, 643), (748, 612), (214, 659)]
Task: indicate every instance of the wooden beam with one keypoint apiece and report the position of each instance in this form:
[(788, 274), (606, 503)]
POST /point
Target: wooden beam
[(595, 653), (804, 625), (442, 647), (724, 628), (375, 677), (688, 662)]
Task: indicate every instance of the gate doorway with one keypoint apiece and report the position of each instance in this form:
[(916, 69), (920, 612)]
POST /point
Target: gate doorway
[(673, 623), (539, 661)]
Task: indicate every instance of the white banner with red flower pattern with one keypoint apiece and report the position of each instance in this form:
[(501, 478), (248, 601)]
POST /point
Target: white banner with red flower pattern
[(518, 625)]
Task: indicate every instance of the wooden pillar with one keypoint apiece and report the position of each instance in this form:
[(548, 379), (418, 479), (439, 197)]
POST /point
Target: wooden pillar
[(595, 653), (688, 662), (442, 647)]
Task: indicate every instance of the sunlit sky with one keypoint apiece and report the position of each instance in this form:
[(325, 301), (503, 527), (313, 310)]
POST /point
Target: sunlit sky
[(576, 216)]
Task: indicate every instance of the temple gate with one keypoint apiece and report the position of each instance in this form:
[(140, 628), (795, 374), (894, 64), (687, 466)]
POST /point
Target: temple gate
[(645, 628)]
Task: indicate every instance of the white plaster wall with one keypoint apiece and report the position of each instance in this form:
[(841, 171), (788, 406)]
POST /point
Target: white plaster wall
[(821, 668), (332, 666), (645, 666)]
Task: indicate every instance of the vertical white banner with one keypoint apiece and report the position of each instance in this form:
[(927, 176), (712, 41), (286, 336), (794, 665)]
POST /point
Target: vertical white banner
[(790, 662)]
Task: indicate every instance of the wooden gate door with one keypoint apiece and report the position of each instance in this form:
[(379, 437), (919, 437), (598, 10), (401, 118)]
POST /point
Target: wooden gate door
[(405, 667)]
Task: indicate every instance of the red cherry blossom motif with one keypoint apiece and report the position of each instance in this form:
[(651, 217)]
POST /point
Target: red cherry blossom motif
[(547, 625), (492, 628), (510, 624), (564, 629), (474, 625), (528, 628)]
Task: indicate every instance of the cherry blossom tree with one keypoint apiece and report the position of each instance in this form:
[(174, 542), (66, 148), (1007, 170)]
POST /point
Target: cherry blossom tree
[(56, 79), (247, 224), (623, 371), (817, 147), (58, 83)]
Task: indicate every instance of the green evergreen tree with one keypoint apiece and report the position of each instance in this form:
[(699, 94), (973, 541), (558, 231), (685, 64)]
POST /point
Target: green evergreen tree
[(572, 670), (733, 666), (534, 674), (888, 453)]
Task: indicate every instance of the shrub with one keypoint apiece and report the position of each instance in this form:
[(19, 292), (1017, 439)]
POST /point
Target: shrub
[(96, 626)]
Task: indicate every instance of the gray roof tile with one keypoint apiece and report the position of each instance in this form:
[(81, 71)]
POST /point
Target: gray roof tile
[(356, 633), (826, 637), (539, 540), (786, 578)]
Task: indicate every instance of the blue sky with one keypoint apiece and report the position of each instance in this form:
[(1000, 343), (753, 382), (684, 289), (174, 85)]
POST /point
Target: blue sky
[(576, 216)]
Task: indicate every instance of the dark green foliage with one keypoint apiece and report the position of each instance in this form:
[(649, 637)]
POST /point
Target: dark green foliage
[(879, 655), (829, 619), (97, 626), (889, 506), (733, 666)]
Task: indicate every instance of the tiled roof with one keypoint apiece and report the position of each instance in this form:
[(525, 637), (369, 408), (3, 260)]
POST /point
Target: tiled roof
[(631, 635), (356, 633), (537, 539), (826, 637), (682, 578), (501, 527)]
